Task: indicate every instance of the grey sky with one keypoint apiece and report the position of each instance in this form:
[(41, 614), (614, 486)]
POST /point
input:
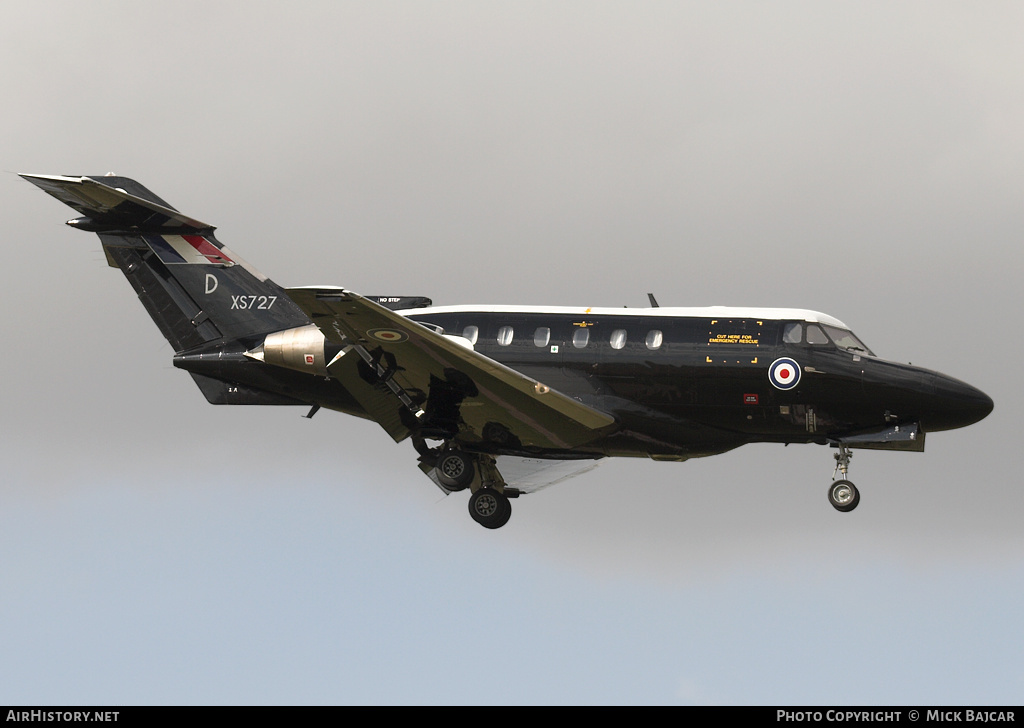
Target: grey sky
[(862, 159)]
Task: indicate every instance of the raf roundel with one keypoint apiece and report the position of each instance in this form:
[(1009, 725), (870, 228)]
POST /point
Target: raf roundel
[(784, 373), (388, 336)]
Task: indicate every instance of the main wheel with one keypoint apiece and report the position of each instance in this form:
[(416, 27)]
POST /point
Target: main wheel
[(490, 508), (455, 470), (843, 495)]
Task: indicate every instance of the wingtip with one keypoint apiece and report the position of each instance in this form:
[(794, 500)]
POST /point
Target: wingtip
[(49, 178)]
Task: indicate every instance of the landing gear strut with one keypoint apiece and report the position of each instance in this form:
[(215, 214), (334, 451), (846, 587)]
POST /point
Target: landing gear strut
[(842, 494), (455, 469)]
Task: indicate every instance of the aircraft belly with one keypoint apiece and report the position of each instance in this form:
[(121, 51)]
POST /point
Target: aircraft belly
[(704, 407), (234, 368)]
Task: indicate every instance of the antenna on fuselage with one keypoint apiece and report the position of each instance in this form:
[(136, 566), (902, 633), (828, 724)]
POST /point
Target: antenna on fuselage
[(653, 300)]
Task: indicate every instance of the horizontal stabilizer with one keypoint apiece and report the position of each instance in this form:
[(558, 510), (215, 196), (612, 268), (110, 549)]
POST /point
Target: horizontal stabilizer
[(111, 204)]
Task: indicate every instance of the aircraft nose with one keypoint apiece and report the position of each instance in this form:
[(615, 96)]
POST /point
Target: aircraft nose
[(958, 404)]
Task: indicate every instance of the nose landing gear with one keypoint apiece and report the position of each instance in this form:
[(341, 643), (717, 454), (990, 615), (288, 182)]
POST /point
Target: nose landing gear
[(842, 494)]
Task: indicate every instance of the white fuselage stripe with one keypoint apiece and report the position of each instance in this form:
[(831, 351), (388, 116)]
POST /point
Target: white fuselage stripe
[(772, 314)]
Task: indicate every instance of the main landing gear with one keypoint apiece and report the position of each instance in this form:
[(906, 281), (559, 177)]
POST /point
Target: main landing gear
[(489, 503), (842, 494), (455, 470), (490, 508)]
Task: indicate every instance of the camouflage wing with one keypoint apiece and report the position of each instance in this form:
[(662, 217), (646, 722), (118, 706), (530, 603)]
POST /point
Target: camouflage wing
[(416, 379)]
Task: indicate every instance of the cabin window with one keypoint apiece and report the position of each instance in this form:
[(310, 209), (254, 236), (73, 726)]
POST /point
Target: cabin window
[(580, 337), (504, 336), (654, 339), (541, 336), (792, 334), (618, 339), (471, 333), (815, 335)]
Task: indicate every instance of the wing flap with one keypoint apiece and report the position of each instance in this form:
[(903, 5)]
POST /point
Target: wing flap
[(529, 475), (445, 386)]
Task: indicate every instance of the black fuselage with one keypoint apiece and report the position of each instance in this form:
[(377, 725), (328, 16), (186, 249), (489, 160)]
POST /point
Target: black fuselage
[(679, 385), (686, 385)]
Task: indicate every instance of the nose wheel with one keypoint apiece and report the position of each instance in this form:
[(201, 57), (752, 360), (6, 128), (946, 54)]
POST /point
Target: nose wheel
[(842, 494)]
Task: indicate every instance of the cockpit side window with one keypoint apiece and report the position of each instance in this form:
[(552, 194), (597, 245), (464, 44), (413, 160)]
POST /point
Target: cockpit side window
[(815, 335), (792, 333)]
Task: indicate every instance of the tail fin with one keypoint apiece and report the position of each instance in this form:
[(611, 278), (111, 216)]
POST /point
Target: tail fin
[(194, 288)]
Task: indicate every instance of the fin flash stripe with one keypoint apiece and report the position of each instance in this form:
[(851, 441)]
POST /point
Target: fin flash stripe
[(176, 249)]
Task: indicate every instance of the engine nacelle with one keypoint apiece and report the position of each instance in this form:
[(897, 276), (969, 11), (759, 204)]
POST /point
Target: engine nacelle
[(302, 349)]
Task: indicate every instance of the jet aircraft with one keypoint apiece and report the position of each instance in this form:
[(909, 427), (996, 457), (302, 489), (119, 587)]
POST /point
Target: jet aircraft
[(505, 400)]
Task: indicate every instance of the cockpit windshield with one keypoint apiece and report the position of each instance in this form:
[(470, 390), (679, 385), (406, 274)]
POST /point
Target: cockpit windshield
[(845, 339)]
